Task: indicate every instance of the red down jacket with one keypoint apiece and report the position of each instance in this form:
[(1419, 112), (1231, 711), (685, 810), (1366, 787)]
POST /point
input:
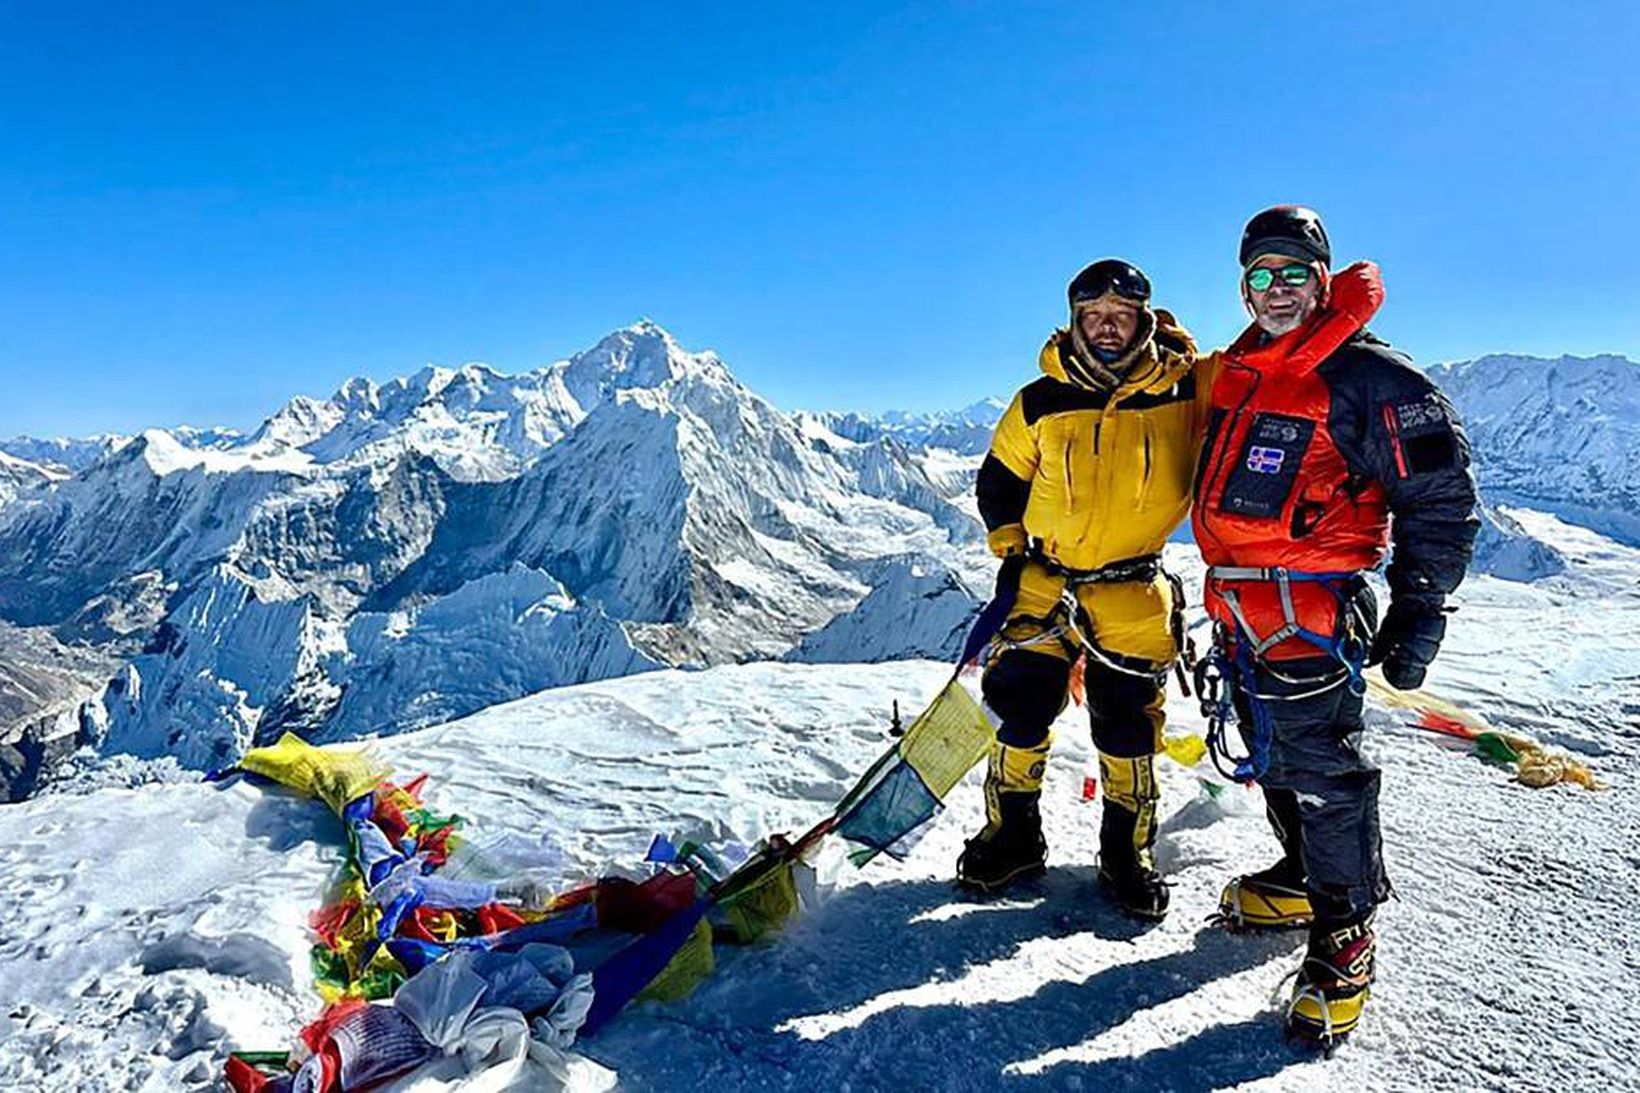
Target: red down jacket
[(1314, 441)]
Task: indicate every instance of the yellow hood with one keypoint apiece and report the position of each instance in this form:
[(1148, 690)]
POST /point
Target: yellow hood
[(1155, 363)]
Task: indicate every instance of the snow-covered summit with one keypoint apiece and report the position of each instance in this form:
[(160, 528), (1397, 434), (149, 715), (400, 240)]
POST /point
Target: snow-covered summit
[(642, 355), (138, 962), (629, 506), (476, 422), (1560, 434)]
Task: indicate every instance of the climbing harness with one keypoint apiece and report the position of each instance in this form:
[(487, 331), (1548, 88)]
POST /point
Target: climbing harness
[(1069, 625), (1236, 658)]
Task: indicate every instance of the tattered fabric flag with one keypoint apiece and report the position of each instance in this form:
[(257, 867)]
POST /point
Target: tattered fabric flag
[(1535, 765), (333, 775), (904, 789), (761, 896)]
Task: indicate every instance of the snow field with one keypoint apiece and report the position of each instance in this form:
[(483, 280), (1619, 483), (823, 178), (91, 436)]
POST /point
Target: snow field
[(145, 930)]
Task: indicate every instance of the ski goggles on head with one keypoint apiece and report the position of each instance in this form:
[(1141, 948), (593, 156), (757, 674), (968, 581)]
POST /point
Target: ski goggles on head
[(1261, 278), (1110, 275)]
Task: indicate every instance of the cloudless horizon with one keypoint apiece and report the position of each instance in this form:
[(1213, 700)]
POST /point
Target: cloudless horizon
[(205, 210)]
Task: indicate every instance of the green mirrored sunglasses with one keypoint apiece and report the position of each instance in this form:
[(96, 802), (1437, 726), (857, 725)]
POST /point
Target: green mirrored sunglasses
[(1261, 278)]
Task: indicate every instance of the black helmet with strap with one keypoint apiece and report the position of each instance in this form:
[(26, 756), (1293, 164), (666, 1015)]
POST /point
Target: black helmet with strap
[(1291, 230)]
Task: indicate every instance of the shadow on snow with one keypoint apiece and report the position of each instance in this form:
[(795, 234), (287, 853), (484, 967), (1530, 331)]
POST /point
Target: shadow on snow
[(874, 939)]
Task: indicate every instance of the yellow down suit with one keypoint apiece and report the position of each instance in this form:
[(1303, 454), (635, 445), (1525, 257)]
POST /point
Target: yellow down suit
[(1085, 484)]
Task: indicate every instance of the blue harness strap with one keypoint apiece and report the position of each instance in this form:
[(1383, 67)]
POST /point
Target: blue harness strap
[(1243, 652)]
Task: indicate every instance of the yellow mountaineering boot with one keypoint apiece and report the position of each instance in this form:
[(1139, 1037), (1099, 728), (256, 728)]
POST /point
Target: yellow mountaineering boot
[(1273, 898), (1010, 847), (1333, 983)]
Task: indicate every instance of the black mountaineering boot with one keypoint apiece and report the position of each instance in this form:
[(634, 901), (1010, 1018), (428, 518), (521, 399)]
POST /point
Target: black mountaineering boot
[(1011, 847), (1126, 868)]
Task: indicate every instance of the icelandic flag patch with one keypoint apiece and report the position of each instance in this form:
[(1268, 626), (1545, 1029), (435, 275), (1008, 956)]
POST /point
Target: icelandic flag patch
[(1265, 460)]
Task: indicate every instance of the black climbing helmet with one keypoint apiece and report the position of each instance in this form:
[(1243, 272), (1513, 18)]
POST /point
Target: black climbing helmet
[(1291, 230), (1109, 275)]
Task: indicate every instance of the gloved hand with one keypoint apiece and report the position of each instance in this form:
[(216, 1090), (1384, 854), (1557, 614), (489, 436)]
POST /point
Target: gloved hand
[(1408, 640)]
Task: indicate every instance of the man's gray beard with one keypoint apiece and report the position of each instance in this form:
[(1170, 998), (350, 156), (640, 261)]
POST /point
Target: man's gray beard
[(1275, 328)]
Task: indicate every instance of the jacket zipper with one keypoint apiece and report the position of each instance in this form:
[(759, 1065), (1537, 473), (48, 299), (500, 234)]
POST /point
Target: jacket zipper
[(1231, 420)]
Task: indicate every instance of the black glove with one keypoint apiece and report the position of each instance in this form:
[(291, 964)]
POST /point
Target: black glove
[(1408, 640)]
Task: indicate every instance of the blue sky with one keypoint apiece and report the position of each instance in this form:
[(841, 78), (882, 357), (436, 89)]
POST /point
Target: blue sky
[(208, 208)]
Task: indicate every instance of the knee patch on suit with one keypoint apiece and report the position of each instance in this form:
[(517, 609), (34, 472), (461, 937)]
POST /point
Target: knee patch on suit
[(1018, 770), (1026, 691), (1125, 711)]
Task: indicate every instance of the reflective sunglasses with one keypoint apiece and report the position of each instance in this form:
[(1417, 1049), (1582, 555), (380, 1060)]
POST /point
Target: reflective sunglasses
[(1261, 278)]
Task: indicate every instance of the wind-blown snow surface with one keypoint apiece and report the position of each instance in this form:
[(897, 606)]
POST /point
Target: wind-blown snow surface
[(143, 928)]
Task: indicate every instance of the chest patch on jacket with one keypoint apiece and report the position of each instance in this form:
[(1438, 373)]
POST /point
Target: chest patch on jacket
[(1262, 478), (1423, 414)]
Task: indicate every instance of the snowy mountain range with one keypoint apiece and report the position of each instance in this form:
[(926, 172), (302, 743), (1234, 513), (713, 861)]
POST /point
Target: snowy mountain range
[(19, 475), (965, 432), (403, 553), (1561, 435)]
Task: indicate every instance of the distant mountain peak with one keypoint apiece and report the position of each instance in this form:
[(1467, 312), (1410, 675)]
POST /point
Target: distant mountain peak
[(428, 383), (1567, 360), (17, 475), (643, 340), (1558, 433), (642, 355), (68, 454), (966, 431)]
